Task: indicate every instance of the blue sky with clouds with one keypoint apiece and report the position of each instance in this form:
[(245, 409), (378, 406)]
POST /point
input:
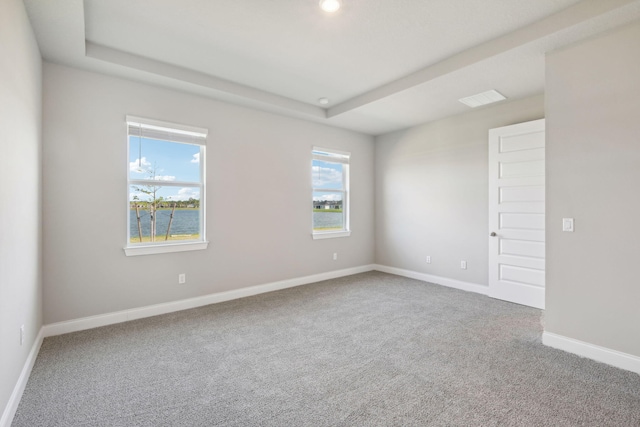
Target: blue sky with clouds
[(169, 162), (326, 175), (165, 161)]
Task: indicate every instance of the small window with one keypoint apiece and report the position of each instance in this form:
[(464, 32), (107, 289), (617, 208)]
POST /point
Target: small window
[(165, 187), (330, 201)]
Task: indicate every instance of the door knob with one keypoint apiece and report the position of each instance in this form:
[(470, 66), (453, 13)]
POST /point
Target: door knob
[(493, 234)]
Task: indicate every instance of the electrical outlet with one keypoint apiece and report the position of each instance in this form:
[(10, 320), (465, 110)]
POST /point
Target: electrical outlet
[(428, 259), (335, 256), (567, 224), (463, 265), (182, 278), (21, 334)]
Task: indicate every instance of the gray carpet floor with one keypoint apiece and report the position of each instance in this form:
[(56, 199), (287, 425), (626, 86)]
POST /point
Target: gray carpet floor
[(371, 349)]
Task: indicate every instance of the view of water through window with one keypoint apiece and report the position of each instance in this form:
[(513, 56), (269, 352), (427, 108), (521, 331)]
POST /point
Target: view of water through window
[(185, 224), (328, 173), (327, 220)]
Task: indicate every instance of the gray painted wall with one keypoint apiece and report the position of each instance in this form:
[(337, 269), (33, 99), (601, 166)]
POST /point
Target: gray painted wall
[(259, 198), (432, 192), (20, 237), (593, 172)]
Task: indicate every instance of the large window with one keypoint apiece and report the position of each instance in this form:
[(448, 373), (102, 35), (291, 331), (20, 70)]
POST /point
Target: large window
[(330, 177), (166, 194)]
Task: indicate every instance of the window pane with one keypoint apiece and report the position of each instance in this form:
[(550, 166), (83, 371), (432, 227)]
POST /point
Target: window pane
[(327, 175), (163, 160), (328, 212), (159, 221)]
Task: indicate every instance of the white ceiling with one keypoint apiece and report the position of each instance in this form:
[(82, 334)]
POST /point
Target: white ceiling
[(384, 65)]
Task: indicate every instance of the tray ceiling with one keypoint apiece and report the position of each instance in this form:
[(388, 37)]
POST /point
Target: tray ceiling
[(383, 65)]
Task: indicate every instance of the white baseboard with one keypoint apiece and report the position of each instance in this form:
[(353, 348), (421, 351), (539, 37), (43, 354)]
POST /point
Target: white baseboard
[(591, 351), (16, 395), (170, 307), (90, 322), (438, 280)]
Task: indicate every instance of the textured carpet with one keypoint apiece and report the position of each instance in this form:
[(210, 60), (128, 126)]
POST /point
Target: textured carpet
[(366, 350)]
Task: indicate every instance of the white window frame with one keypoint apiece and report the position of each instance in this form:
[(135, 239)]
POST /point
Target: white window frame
[(333, 156), (172, 132)]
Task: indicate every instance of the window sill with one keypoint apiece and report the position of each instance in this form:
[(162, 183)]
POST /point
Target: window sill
[(331, 234), (163, 249)]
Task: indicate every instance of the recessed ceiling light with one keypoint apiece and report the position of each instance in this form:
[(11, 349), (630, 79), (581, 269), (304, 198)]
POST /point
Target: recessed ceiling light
[(323, 101), (330, 5), (484, 98)]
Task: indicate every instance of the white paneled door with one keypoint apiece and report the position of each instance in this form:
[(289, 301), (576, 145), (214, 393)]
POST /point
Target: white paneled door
[(516, 213)]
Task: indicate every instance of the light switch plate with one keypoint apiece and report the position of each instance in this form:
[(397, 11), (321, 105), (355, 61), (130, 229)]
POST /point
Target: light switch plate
[(567, 224)]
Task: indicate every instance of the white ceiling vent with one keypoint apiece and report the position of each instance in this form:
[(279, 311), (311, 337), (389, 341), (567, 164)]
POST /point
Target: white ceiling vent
[(484, 98)]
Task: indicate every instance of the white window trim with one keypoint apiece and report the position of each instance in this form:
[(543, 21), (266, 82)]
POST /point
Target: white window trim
[(191, 135), (165, 248), (330, 234), (343, 157), (175, 128)]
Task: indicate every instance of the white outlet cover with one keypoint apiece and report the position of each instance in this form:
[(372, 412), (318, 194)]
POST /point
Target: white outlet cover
[(567, 224)]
